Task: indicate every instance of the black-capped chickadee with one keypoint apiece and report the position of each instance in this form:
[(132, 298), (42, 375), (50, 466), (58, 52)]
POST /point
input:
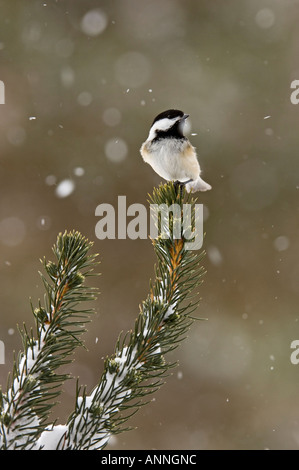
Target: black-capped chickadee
[(170, 153)]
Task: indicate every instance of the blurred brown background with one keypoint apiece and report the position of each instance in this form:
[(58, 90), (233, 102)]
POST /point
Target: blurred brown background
[(83, 82)]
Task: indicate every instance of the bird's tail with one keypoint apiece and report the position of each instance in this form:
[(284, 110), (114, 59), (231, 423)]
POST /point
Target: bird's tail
[(197, 185)]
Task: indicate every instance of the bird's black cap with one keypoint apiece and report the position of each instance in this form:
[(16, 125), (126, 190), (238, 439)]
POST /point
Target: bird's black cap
[(170, 114)]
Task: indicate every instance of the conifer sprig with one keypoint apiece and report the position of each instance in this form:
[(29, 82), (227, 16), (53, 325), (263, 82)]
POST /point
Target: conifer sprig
[(35, 383), (139, 364)]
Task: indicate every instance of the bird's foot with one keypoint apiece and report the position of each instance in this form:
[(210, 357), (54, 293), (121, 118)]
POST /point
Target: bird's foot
[(179, 186)]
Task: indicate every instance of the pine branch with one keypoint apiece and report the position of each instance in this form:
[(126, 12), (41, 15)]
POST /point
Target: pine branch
[(35, 383), (138, 367)]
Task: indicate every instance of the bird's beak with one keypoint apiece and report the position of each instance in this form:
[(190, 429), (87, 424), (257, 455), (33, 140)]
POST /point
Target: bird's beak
[(185, 116)]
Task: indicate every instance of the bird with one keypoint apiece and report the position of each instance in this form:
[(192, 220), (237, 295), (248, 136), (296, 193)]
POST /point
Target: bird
[(170, 153)]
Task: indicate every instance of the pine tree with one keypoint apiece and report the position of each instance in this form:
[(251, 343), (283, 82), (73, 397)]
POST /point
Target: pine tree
[(139, 364)]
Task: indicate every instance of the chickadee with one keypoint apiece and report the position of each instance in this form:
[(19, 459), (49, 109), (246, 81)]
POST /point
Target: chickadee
[(170, 153)]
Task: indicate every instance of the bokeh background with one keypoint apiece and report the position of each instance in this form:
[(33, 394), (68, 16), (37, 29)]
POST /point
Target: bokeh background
[(83, 81)]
